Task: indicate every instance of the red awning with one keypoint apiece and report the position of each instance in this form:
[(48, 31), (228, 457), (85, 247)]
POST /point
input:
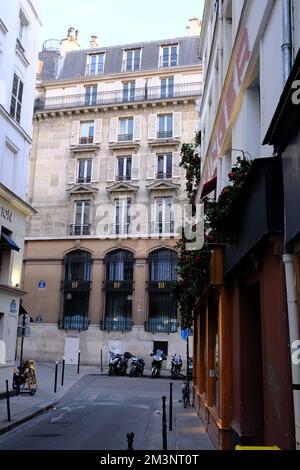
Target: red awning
[(209, 187)]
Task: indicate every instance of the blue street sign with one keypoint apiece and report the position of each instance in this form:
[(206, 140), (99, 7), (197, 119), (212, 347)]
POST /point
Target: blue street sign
[(184, 333), (42, 285)]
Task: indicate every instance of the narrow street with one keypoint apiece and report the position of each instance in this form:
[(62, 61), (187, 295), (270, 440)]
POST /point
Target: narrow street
[(98, 412)]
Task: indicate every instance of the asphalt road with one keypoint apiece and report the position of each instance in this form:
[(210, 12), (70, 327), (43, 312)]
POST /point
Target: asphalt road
[(96, 414)]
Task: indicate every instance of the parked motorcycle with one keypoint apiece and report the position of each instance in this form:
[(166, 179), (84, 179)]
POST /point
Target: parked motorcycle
[(24, 378), (176, 365), (157, 361), (118, 363), (137, 367)]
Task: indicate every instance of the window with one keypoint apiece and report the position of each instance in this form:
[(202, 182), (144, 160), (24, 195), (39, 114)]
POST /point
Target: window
[(87, 132), (118, 291), (81, 224), (169, 55), (164, 217), (16, 98), (84, 171), (124, 168), (167, 87), (8, 166), (132, 60), (164, 166), (129, 91), (91, 93), (125, 129), (165, 126), (23, 25), (95, 65), (122, 207)]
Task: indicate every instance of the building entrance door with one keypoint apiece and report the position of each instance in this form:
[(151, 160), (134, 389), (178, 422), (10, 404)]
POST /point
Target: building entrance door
[(71, 350)]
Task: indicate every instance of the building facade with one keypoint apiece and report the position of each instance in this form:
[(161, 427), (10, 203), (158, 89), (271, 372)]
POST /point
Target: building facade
[(19, 29), (243, 385), (106, 182)]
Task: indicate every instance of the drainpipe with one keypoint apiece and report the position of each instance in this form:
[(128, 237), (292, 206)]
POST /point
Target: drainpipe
[(290, 279), (287, 39)]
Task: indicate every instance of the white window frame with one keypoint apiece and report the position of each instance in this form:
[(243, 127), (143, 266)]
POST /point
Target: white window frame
[(165, 126), (125, 60), (16, 98), (85, 162), (89, 63), (126, 159), (161, 57), (84, 204), (83, 124), (165, 160), (130, 92), (124, 206), (164, 202), (92, 95), (169, 89), (126, 120)]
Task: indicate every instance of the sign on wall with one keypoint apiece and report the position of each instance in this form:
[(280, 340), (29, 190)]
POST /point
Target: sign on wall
[(42, 285), (13, 306)]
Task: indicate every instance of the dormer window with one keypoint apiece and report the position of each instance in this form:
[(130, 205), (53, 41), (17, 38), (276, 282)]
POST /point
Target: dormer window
[(169, 56), (95, 64), (132, 60)]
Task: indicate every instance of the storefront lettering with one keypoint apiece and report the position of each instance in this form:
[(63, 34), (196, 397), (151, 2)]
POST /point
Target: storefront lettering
[(239, 68), (6, 214)]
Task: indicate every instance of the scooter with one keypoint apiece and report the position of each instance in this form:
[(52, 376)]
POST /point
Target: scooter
[(24, 378), (176, 365), (158, 358), (118, 363), (137, 367)]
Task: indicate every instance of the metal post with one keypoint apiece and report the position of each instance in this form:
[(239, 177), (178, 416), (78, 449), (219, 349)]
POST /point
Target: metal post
[(130, 438), (187, 367), (7, 402), (63, 372), (101, 361), (55, 377), (171, 407), (78, 362), (21, 354), (164, 423)]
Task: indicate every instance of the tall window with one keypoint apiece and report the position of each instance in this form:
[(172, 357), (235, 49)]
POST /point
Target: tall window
[(167, 87), (16, 98), (162, 314), (125, 129), (95, 65), (129, 91), (165, 126), (164, 166), (164, 216), (118, 291), (87, 132), (132, 60), (169, 56), (91, 95), (122, 211), (124, 168), (84, 171), (77, 290), (81, 224)]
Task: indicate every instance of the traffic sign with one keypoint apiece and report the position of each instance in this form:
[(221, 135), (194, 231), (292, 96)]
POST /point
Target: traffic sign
[(24, 321), (184, 333)]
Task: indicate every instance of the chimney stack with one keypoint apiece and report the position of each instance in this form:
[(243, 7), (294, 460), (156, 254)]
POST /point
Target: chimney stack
[(194, 27), (93, 42), (71, 42)]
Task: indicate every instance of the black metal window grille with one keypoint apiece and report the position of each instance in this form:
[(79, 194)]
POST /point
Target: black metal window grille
[(162, 306), (118, 291), (77, 286)]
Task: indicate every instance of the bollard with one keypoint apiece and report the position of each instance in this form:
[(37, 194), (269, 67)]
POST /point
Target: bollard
[(130, 438), (78, 362), (171, 407), (101, 361), (55, 377), (63, 372), (164, 423), (7, 402)]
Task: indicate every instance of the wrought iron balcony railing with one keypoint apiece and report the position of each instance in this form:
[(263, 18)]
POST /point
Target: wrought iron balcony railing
[(161, 325), (163, 176), (86, 140), (170, 60), (164, 134), (123, 178), (120, 324), (121, 229), (94, 69), (80, 229), (131, 65), (114, 97), (125, 137), (85, 180), (75, 322), (162, 227)]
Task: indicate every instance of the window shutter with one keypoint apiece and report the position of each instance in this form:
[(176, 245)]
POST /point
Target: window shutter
[(111, 168), (98, 131), (176, 169), (95, 170), (135, 167), (137, 123), (75, 132), (177, 82), (152, 126), (151, 166), (113, 131), (72, 166), (177, 124)]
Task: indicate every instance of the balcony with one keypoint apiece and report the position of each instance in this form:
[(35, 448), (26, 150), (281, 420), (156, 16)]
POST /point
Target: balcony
[(121, 229), (161, 325), (164, 134), (119, 324), (86, 140), (168, 61), (148, 94), (164, 176), (160, 228), (94, 69), (131, 65), (80, 230), (86, 180), (125, 137), (74, 322)]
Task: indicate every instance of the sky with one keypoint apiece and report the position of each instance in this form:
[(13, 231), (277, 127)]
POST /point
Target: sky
[(118, 21)]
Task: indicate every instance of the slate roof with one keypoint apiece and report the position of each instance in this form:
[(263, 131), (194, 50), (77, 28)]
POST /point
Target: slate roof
[(73, 64)]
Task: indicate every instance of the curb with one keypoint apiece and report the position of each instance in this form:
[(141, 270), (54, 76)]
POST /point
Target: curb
[(30, 416)]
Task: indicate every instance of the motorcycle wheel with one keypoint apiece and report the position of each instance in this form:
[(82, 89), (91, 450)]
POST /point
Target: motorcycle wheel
[(153, 374), (131, 373), (110, 371)]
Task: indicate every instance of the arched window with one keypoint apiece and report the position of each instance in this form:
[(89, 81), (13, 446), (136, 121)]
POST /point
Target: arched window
[(118, 291), (162, 314), (77, 290)]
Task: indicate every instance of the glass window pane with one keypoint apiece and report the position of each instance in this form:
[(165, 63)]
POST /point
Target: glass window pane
[(86, 219), (89, 169), (122, 126), (78, 213), (169, 123), (128, 167), (169, 165), (130, 126)]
